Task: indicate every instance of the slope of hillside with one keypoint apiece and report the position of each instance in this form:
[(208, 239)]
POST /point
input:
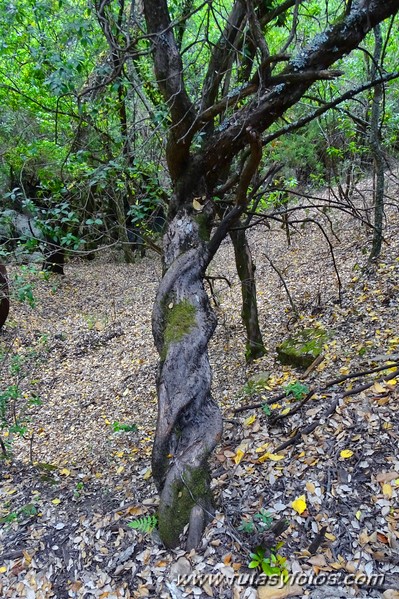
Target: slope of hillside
[(79, 477)]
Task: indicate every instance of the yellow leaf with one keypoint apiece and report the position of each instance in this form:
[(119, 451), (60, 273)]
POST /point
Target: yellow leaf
[(56, 501), (391, 383), (120, 469), (196, 204), (358, 515), (387, 490), (274, 457), (65, 472), (299, 505), (262, 448), (346, 453), (3, 569), (120, 454), (147, 474), (344, 370), (378, 388), (239, 455), (250, 420)]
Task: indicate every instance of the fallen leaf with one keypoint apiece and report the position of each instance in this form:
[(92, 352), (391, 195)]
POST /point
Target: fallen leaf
[(238, 456), (310, 487), (346, 453), (299, 505), (274, 457), (387, 490), (269, 592), (56, 501), (378, 388)]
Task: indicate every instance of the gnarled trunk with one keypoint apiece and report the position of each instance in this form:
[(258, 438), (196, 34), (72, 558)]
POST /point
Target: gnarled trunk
[(189, 421)]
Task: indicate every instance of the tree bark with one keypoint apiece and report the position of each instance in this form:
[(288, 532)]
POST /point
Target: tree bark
[(122, 232), (189, 421), (4, 295), (249, 311), (375, 143)]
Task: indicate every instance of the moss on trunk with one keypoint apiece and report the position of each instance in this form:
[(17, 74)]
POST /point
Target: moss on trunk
[(175, 510)]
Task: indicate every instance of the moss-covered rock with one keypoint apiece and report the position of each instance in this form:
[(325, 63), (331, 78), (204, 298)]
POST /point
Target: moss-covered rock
[(301, 349)]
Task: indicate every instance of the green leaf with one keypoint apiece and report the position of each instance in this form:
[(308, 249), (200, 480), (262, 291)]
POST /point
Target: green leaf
[(146, 524)]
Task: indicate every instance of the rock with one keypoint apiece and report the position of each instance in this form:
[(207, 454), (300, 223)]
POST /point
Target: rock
[(301, 349)]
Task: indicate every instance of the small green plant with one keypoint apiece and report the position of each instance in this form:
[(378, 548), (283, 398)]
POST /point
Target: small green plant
[(79, 487), (146, 524), (271, 565), (297, 389), (263, 521), (23, 289), (25, 511), (14, 407), (247, 526), (266, 409), (11, 517), (126, 428)]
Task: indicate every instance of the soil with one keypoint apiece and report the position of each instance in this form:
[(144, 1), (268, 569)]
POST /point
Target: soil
[(81, 472)]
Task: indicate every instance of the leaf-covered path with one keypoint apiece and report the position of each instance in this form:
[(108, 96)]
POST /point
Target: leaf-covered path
[(86, 350)]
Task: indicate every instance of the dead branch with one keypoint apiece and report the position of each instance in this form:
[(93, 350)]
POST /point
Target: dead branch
[(326, 386)]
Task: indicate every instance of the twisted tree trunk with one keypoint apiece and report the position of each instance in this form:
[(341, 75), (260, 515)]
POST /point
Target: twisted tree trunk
[(189, 421)]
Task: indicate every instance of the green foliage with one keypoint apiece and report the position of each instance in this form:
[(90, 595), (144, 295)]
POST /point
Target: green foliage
[(261, 521), (266, 409), (121, 426), (23, 288), (297, 389), (145, 525), (271, 565), (15, 403), (24, 512)]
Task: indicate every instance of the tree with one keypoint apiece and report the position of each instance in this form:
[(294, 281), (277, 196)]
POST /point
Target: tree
[(210, 136)]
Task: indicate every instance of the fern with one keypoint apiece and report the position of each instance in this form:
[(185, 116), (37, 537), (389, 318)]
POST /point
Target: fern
[(146, 524)]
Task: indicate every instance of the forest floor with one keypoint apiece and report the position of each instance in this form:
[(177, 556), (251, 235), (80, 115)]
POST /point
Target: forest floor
[(78, 477)]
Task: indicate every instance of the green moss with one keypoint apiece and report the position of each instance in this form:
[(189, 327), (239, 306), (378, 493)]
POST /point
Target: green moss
[(180, 320), (174, 517), (202, 221), (302, 349)]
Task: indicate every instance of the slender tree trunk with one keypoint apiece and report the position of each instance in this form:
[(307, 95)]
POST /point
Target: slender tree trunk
[(122, 232), (189, 421), (4, 295), (249, 311), (375, 143)]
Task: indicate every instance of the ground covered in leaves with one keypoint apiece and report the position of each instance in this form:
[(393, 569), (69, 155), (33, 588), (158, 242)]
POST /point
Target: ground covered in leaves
[(310, 472)]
